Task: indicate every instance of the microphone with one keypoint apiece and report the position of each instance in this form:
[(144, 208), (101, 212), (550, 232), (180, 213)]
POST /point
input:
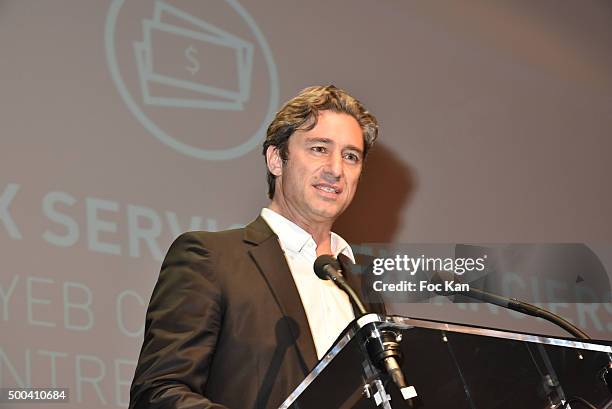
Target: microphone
[(382, 346), (440, 277), (327, 267)]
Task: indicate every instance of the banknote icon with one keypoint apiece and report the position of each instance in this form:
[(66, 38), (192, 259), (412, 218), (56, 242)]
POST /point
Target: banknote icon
[(184, 61)]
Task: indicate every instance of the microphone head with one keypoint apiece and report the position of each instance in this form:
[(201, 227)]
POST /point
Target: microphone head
[(322, 263)]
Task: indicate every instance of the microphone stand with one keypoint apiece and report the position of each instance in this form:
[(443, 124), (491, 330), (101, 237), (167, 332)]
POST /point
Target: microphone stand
[(529, 309), (382, 346), (509, 303)]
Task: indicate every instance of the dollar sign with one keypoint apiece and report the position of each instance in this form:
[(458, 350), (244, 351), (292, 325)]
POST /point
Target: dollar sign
[(190, 53)]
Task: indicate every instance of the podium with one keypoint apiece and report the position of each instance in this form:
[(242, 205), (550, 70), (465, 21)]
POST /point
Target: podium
[(457, 366)]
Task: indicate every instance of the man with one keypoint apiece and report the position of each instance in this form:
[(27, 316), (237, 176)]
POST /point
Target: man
[(238, 318)]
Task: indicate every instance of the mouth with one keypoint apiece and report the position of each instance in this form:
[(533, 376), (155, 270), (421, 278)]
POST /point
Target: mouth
[(330, 190)]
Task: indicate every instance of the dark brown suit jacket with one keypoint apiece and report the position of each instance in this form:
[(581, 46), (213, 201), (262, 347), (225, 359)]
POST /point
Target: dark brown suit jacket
[(225, 325)]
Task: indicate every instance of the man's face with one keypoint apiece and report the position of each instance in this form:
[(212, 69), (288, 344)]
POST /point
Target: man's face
[(319, 179)]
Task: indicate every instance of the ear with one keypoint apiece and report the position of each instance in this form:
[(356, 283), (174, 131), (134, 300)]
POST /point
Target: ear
[(274, 161)]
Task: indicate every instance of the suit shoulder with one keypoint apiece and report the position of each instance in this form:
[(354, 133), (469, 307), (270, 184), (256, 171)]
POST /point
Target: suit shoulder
[(212, 235), (207, 239)]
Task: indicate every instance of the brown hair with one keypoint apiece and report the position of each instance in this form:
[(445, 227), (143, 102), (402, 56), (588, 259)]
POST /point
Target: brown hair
[(301, 113)]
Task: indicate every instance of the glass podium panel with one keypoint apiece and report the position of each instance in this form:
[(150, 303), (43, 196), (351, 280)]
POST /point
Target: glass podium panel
[(457, 366)]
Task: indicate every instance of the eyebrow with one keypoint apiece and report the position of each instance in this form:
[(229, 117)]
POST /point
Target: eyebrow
[(320, 140), (354, 148), (330, 141)]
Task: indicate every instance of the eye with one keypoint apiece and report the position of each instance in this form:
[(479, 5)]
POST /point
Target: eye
[(319, 149), (352, 157)]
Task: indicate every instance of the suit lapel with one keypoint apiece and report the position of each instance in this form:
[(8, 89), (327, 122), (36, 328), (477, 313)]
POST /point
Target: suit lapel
[(270, 260)]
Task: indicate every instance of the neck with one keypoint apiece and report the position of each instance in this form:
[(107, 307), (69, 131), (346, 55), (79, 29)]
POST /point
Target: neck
[(320, 231)]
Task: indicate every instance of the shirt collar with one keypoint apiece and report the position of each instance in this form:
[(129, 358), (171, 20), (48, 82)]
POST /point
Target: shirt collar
[(294, 238)]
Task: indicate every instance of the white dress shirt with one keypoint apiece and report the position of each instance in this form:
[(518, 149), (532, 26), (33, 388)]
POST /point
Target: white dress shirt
[(327, 308)]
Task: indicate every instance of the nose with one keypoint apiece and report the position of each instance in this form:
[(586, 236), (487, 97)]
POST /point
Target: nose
[(334, 168)]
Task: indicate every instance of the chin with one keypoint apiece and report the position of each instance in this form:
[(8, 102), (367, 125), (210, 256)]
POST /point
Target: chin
[(329, 213)]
